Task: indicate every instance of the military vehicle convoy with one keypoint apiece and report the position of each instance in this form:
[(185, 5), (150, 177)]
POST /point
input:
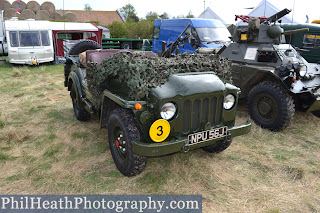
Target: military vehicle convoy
[(274, 77), (153, 106)]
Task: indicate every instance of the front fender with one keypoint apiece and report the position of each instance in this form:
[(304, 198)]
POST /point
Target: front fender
[(75, 80)]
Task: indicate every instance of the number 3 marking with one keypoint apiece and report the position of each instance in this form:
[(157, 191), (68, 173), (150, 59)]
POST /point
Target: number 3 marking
[(160, 128)]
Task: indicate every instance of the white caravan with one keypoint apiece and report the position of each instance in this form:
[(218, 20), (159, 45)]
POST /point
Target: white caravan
[(29, 41)]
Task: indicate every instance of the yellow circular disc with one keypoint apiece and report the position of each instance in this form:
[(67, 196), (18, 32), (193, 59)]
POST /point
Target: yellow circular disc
[(159, 130)]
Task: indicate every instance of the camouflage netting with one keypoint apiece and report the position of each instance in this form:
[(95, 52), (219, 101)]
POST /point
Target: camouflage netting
[(42, 15), (34, 6), (48, 6), (27, 14), (141, 73)]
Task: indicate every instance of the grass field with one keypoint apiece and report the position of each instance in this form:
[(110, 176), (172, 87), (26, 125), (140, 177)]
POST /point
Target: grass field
[(45, 150)]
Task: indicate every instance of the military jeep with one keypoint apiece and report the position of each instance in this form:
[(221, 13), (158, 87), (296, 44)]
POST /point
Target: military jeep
[(185, 112)]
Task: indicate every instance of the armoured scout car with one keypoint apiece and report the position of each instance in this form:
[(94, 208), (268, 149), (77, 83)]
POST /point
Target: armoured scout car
[(273, 76), (184, 112)]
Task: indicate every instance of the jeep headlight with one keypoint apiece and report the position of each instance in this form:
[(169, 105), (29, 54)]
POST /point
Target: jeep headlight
[(168, 110), (229, 102), (303, 71)]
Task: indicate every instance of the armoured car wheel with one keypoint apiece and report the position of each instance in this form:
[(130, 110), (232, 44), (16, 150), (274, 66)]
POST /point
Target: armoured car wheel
[(83, 45), (219, 146), (122, 132), (79, 111), (270, 106), (316, 113)]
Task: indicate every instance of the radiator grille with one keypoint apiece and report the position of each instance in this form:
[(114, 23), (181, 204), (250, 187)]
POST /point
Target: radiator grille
[(202, 111)]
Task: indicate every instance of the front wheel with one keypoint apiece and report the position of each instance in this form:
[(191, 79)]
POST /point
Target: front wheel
[(270, 106), (219, 146), (123, 130)]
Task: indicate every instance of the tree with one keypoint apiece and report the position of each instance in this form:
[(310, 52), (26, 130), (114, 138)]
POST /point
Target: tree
[(141, 29), (95, 22), (87, 7), (151, 16), (128, 13), (118, 30), (190, 15), (164, 16)]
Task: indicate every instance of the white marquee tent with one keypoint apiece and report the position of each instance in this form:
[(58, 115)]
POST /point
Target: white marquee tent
[(209, 14), (266, 9)]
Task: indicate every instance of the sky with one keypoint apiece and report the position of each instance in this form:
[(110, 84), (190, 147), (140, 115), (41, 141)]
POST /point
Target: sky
[(226, 9)]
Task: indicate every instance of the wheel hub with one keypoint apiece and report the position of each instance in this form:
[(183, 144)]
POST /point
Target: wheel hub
[(120, 145), (267, 107), (264, 107)]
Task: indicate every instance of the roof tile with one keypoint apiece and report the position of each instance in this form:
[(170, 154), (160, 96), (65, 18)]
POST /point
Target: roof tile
[(104, 17)]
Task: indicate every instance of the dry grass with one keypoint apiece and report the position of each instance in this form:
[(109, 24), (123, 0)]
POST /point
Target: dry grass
[(45, 150)]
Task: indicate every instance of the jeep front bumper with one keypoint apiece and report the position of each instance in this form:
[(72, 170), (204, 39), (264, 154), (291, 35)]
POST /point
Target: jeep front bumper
[(181, 145)]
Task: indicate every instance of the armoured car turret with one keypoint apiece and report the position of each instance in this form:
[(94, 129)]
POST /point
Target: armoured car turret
[(273, 76)]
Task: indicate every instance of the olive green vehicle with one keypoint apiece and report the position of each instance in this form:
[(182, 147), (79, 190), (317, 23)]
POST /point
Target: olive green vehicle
[(274, 77), (189, 111)]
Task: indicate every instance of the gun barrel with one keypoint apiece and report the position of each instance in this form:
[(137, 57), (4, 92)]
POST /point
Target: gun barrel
[(174, 45), (277, 16), (290, 32), (185, 29)]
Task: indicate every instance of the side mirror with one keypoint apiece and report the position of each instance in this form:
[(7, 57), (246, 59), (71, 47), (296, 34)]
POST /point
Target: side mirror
[(194, 43)]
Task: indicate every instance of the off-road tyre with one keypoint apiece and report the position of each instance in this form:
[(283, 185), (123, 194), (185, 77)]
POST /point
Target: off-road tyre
[(219, 146), (76, 49), (83, 45), (270, 106), (79, 111), (316, 113), (122, 126), (125, 45)]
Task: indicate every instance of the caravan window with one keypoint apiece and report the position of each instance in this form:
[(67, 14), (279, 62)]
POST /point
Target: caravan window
[(29, 38), (45, 38), (14, 42)]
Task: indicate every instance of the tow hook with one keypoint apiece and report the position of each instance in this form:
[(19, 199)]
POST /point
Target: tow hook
[(229, 137), (186, 148)]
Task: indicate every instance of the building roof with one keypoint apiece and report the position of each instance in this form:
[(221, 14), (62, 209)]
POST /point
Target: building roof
[(103, 17), (209, 14)]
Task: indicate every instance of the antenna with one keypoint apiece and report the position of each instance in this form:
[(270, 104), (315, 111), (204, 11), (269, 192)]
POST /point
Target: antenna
[(294, 2), (204, 4), (265, 7)]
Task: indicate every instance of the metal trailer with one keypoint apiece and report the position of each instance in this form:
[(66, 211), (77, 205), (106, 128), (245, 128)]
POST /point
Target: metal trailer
[(126, 43)]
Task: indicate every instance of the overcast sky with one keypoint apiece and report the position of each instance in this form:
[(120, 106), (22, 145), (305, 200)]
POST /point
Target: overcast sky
[(226, 9)]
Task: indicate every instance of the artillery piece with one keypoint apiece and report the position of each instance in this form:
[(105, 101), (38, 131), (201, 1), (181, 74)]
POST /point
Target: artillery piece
[(274, 77)]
